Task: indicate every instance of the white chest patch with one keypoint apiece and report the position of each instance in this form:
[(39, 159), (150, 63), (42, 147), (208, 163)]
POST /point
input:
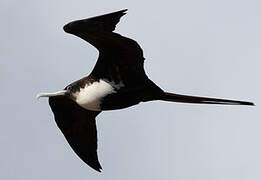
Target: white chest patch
[(90, 97)]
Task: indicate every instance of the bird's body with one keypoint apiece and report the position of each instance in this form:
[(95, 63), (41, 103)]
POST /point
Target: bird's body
[(117, 81), (103, 94)]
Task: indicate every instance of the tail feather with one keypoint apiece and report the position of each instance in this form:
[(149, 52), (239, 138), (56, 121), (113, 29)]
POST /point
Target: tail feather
[(202, 100)]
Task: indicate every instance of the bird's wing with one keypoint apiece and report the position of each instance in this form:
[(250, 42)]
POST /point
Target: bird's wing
[(120, 58), (79, 128)]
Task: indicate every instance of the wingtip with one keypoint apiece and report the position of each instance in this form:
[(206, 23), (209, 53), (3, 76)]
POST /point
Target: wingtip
[(94, 164), (123, 11), (98, 169)]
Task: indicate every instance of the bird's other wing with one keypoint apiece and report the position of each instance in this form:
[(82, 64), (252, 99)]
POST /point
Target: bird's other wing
[(79, 128), (120, 58), (97, 24)]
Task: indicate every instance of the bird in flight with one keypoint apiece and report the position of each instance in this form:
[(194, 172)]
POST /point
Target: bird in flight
[(117, 81)]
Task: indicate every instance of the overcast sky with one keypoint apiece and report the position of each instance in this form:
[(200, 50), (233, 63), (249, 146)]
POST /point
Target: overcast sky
[(202, 47)]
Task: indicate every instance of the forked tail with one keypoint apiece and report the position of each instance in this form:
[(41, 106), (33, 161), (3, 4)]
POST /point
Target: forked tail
[(202, 100)]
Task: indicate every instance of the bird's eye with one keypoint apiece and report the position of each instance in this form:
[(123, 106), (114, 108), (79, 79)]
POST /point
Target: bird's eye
[(68, 88)]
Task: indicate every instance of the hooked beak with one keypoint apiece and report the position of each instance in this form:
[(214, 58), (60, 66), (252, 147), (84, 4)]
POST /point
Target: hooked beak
[(58, 93)]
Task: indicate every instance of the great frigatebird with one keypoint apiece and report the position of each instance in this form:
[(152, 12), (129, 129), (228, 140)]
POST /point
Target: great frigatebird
[(117, 81)]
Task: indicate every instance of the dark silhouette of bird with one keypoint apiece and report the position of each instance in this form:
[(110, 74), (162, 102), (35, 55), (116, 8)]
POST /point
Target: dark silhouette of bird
[(117, 81)]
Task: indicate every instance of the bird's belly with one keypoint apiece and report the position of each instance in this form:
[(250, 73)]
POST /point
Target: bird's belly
[(115, 101), (124, 99), (91, 96)]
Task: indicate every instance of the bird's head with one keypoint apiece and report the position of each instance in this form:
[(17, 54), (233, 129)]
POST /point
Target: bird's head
[(69, 91)]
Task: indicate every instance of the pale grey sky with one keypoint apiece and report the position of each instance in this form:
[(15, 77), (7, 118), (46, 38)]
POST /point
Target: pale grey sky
[(207, 48)]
